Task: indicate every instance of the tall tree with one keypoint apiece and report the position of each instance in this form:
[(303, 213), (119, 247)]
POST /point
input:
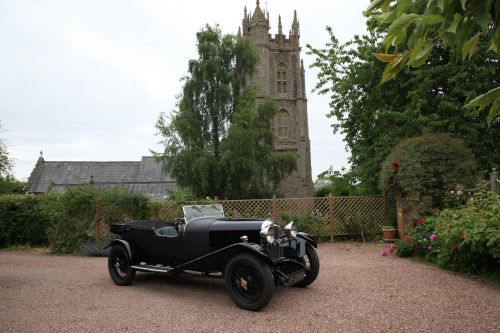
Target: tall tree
[(425, 25), (219, 142), (374, 117), (5, 160)]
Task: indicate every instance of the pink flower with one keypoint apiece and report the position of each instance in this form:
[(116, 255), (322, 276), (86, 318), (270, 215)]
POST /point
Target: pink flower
[(462, 236), (392, 247), (383, 253), (420, 221), (429, 247), (432, 237), (408, 238)]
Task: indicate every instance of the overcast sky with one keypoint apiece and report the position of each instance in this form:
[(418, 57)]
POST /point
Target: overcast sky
[(86, 80)]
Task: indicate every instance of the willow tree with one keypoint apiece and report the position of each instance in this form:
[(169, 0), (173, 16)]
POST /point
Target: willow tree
[(219, 142)]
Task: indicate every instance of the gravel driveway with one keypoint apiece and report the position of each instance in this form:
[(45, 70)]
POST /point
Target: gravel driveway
[(357, 291)]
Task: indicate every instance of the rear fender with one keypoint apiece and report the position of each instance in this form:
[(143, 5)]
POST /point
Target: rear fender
[(123, 243)]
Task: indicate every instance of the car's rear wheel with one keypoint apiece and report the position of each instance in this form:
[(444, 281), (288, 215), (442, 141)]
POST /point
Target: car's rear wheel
[(311, 261), (119, 266), (249, 282)]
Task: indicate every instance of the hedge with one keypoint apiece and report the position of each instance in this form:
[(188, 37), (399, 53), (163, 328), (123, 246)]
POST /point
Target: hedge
[(65, 221)]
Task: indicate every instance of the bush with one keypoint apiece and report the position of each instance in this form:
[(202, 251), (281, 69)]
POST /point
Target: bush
[(467, 238), (24, 219), (425, 169), (362, 227), (10, 185), (81, 208), (66, 221), (309, 223)]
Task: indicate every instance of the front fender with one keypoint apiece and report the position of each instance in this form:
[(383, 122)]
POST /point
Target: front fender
[(307, 238), (123, 243)]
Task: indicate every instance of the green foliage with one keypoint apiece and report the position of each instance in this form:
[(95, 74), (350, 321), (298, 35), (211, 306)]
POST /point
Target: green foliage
[(492, 98), (219, 142), (338, 183), (81, 208), (425, 168), (363, 227), (182, 196), (373, 118), (24, 219), (458, 25), (418, 241), (10, 185), (5, 160), (308, 223), (467, 238), (66, 221)]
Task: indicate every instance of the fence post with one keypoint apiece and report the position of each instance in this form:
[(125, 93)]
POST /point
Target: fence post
[(386, 208), (493, 181), (98, 214), (273, 209), (331, 219), (400, 217), (157, 212)]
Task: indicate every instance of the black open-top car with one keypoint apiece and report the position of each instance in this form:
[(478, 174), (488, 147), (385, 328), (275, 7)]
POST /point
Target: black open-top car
[(254, 256)]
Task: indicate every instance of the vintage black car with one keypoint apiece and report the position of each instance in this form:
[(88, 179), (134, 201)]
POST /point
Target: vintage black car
[(253, 256)]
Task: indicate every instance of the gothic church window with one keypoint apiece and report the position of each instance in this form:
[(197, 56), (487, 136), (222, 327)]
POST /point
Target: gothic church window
[(282, 120), (281, 79)]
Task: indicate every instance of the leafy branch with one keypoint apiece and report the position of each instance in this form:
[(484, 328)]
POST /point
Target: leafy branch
[(455, 24)]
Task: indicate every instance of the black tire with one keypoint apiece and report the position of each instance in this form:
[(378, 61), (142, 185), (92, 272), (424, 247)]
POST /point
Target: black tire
[(249, 282), (311, 261), (119, 266)]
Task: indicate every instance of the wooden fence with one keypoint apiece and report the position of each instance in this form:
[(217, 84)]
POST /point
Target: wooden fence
[(324, 217)]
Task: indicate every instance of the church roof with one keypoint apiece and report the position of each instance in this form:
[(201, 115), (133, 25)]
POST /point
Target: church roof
[(145, 176), (258, 15)]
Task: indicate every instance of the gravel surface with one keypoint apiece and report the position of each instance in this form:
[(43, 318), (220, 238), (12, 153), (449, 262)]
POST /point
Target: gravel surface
[(357, 290)]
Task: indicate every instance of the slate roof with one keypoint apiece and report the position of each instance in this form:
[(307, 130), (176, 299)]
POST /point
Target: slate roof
[(145, 176)]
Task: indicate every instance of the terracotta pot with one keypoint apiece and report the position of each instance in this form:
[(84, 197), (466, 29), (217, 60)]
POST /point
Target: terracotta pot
[(389, 233)]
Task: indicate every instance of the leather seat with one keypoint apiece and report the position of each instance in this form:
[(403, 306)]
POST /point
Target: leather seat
[(168, 231)]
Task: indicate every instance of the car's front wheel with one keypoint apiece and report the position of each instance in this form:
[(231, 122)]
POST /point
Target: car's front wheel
[(119, 266), (249, 282), (311, 261)]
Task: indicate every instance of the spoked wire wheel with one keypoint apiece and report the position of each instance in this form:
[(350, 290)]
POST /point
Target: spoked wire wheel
[(119, 266), (249, 282), (311, 261)]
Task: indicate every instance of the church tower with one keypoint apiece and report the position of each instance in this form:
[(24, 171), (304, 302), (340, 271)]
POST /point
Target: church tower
[(280, 75)]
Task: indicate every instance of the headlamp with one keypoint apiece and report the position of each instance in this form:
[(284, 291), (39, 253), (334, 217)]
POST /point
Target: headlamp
[(291, 229)]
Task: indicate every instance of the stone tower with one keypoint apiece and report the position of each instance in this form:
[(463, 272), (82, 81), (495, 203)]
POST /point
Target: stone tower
[(280, 74)]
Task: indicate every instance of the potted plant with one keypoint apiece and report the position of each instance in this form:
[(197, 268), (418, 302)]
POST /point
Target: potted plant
[(389, 232)]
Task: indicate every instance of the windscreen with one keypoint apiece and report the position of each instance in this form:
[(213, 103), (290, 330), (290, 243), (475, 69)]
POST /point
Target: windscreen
[(196, 211)]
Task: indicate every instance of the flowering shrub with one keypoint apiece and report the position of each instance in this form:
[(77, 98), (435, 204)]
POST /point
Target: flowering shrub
[(470, 236), (466, 239), (418, 241), (425, 169), (456, 198)]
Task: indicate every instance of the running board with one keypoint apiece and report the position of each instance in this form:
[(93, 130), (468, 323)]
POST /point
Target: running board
[(152, 268)]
